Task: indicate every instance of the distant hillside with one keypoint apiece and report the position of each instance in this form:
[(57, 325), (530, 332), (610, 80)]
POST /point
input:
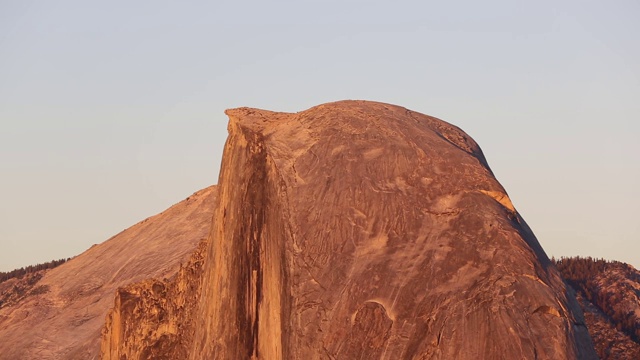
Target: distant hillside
[(609, 294), (58, 313), (18, 273), (18, 283)]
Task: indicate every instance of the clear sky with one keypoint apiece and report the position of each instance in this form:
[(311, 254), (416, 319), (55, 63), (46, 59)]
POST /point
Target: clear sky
[(111, 111)]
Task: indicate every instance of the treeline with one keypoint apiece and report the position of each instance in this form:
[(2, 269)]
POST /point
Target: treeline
[(18, 273), (581, 270), (581, 274)]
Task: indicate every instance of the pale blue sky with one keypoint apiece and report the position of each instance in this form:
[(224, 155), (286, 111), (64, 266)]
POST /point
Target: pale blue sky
[(112, 111)]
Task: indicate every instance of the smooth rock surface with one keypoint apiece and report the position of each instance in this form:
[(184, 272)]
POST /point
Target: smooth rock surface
[(362, 230)]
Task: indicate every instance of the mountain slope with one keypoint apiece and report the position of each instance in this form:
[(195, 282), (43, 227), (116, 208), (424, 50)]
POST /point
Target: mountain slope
[(609, 294), (63, 320)]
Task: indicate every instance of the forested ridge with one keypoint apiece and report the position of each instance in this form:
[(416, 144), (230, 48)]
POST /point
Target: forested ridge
[(18, 273), (612, 289)]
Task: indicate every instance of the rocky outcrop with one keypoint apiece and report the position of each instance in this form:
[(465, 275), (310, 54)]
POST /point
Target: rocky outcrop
[(611, 342), (361, 230), (152, 319), (61, 312)]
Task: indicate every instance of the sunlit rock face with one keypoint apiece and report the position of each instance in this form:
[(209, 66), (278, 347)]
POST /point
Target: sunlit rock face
[(63, 315), (356, 230)]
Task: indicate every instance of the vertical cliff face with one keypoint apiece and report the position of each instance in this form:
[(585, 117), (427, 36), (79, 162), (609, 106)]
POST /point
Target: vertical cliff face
[(361, 230), (246, 301), (365, 230), (153, 319)]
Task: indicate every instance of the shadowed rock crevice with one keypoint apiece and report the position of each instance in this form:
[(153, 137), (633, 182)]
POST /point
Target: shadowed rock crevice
[(247, 251)]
